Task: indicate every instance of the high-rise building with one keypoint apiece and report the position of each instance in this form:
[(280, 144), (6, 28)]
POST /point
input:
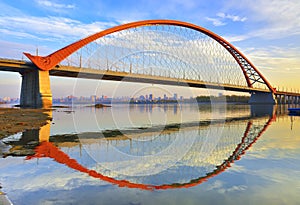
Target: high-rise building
[(175, 96), (142, 98), (165, 97), (151, 96), (93, 98)]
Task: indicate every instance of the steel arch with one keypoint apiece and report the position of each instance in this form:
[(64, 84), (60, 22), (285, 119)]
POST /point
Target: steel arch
[(250, 72)]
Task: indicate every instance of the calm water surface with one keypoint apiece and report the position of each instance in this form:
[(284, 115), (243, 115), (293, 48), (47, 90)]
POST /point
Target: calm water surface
[(156, 154)]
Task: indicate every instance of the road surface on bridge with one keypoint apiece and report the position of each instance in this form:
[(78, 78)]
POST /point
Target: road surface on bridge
[(89, 73)]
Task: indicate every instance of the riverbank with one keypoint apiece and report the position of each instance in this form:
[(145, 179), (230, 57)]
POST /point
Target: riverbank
[(14, 120)]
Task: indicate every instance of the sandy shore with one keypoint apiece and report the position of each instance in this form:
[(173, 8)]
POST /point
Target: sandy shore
[(14, 120)]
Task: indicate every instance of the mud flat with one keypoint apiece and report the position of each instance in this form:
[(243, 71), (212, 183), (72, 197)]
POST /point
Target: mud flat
[(14, 120)]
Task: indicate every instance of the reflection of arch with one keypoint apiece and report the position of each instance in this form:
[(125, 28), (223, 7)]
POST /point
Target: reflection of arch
[(47, 149), (250, 72)]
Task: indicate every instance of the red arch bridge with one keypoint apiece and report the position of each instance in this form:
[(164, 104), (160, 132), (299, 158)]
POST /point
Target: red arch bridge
[(152, 51)]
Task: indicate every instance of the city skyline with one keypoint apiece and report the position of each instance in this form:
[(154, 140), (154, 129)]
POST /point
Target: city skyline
[(266, 32), (149, 96)]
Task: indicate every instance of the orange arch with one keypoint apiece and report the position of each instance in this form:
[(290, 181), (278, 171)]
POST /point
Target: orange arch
[(50, 61)]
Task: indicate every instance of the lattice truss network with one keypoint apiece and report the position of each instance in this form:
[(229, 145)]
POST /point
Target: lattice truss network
[(162, 50)]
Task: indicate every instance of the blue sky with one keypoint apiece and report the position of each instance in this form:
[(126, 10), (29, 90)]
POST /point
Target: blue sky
[(267, 32)]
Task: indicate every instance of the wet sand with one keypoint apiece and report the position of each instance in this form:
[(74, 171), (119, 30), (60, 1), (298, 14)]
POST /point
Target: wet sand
[(14, 120)]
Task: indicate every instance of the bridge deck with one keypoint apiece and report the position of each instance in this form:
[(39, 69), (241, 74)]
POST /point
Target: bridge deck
[(76, 72), (287, 93), (22, 66)]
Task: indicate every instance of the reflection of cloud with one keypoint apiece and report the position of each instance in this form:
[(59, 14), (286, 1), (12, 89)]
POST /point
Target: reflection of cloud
[(237, 168), (217, 184), (220, 187), (279, 142), (232, 189), (33, 179), (273, 183)]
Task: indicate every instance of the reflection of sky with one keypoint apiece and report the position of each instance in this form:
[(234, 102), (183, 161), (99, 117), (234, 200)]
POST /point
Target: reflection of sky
[(124, 116), (267, 174)]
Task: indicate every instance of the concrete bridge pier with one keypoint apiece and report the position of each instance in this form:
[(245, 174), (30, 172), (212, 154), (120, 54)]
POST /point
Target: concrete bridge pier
[(262, 98), (35, 90)]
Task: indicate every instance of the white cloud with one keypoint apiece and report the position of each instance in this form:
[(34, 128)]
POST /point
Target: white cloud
[(280, 65), (231, 17), (221, 18), (223, 188), (267, 19), (236, 38), (54, 6), (49, 28), (215, 21), (276, 58), (16, 34), (273, 19), (15, 50)]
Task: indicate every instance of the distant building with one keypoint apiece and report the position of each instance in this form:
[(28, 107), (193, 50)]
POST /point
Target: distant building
[(6, 99), (175, 96), (165, 97), (142, 98), (93, 98), (150, 97)]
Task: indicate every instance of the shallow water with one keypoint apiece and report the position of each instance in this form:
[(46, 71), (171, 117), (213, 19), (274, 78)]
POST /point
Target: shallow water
[(156, 154)]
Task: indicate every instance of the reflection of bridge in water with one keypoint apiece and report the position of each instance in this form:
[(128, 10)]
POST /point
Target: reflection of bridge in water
[(193, 168)]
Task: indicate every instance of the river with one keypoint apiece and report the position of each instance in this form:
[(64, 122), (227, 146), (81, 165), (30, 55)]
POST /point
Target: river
[(156, 154)]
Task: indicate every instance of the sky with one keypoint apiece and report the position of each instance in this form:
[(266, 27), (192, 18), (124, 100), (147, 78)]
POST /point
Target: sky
[(267, 32)]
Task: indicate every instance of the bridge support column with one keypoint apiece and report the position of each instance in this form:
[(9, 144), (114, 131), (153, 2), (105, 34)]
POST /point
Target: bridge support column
[(278, 99), (262, 98), (286, 99), (36, 91)]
